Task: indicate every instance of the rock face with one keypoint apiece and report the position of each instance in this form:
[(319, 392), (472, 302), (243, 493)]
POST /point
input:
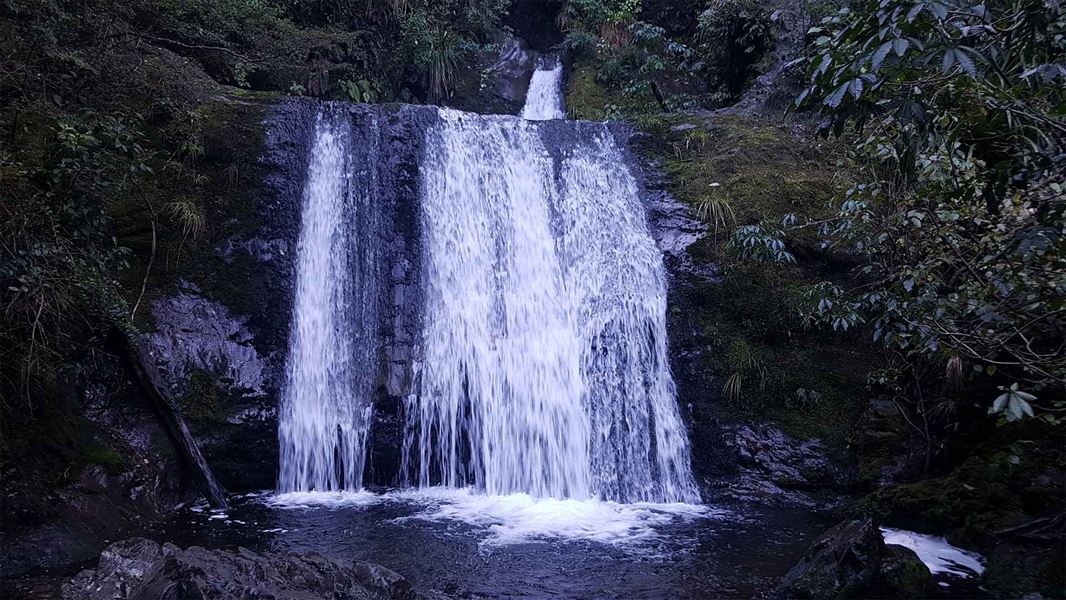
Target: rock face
[(851, 560), (140, 569), (497, 82), (195, 333), (777, 470), (219, 332), (134, 475)]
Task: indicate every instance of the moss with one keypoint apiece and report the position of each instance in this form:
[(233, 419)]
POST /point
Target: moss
[(765, 170), (808, 381), (225, 178), (903, 575), (203, 400), (1010, 475), (1017, 570), (587, 99), (53, 442), (112, 461)]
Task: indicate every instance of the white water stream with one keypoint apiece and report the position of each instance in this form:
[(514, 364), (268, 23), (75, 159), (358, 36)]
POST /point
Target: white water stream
[(544, 100), (325, 411)]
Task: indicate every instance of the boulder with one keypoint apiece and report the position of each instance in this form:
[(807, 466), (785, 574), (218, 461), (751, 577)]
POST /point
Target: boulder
[(774, 469), (851, 560), (140, 569)]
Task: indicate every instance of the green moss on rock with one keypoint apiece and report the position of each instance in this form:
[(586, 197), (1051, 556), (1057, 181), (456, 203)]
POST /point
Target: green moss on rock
[(587, 99), (1010, 478), (771, 366), (112, 461)]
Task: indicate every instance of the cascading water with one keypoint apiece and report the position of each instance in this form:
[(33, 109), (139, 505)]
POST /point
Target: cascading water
[(544, 100), (499, 405), (325, 409), (617, 286), (545, 367), (539, 361)]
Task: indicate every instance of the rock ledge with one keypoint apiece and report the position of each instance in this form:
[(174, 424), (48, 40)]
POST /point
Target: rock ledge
[(137, 568)]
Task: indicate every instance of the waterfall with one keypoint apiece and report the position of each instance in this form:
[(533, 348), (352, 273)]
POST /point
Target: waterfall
[(325, 408), (617, 285), (544, 100), (532, 357), (501, 384), (545, 367)]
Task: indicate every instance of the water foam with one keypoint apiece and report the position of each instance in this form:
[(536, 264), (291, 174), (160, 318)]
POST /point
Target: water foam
[(340, 499), (937, 554), (517, 518)]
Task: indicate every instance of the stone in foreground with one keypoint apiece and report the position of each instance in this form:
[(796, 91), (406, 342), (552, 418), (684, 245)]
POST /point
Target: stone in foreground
[(140, 569), (851, 560)]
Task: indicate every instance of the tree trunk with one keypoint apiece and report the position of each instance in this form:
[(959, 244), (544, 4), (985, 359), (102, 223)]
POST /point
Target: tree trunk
[(151, 382)]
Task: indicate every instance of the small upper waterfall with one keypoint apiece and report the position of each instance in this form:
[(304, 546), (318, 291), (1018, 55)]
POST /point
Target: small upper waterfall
[(533, 351), (544, 100)]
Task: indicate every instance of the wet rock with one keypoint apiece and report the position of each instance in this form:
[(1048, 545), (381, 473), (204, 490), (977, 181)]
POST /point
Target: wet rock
[(210, 364), (510, 72), (851, 560), (775, 469), (123, 473), (903, 575), (776, 87), (196, 333), (138, 568), (498, 80)]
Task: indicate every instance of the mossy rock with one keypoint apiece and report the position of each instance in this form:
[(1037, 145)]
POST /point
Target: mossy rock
[(1014, 475), (589, 100), (903, 575), (227, 180), (851, 560), (109, 459), (809, 381)]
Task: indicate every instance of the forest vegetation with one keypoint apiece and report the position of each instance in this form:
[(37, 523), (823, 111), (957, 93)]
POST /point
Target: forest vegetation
[(893, 234)]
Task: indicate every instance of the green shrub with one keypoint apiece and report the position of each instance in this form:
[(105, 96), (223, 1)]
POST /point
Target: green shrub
[(731, 38)]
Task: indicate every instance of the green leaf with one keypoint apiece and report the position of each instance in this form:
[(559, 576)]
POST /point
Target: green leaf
[(966, 63), (837, 96), (879, 56), (900, 46), (949, 60), (998, 404), (855, 87), (827, 60)]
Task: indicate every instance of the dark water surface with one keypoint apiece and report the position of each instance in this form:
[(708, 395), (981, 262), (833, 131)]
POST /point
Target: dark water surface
[(728, 555), (480, 550)]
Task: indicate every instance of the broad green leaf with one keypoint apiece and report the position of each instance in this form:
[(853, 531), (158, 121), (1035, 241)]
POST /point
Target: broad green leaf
[(834, 99), (949, 60), (855, 87), (879, 56)]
